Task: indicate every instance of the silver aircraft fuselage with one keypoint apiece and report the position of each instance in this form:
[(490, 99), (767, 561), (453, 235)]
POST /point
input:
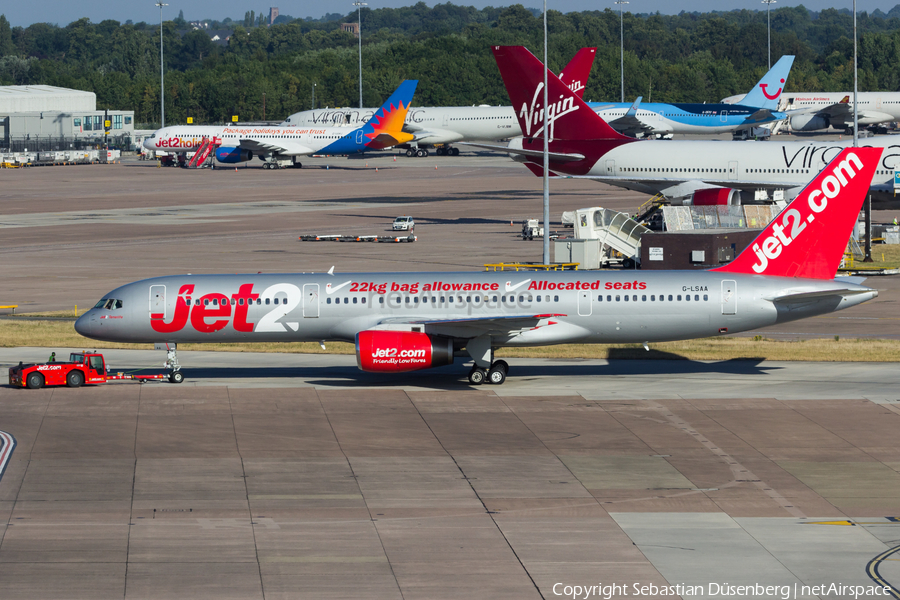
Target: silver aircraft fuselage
[(514, 309)]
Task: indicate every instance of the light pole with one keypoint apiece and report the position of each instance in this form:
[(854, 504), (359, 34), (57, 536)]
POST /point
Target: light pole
[(359, 6), (769, 4), (314, 96), (622, 45), (162, 78), (545, 255)]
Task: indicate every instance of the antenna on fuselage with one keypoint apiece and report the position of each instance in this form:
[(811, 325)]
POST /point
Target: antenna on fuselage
[(331, 270)]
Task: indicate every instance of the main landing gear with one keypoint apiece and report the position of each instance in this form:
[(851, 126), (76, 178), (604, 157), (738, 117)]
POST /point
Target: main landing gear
[(447, 151), (496, 375), (420, 152)]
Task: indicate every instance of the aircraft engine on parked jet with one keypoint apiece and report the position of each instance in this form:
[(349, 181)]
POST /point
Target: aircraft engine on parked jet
[(716, 197), (233, 155), (809, 123), (398, 351)]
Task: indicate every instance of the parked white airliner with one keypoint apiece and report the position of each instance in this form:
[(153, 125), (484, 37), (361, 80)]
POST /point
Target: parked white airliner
[(689, 171), (410, 321), (445, 125), (821, 110)]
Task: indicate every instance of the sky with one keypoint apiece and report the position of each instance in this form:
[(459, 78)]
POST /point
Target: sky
[(63, 12)]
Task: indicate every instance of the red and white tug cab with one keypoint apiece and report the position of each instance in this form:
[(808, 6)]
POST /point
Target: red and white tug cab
[(81, 368)]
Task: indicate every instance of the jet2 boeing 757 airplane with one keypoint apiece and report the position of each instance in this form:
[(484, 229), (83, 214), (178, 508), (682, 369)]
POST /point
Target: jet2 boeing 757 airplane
[(240, 143), (411, 321)]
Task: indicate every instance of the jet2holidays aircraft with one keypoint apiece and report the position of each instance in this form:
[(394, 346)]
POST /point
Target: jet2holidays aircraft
[(759, 107), (446, 125), (241, 143), (697, 172), (410, 321)]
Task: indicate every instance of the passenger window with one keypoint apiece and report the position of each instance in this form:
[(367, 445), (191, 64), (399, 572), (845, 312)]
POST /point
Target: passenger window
[(442, 299), (617, 298), (670, 297), (267, 301), (687, 298), (643, 298), (705, 298), (634, 298), (241, 301), (652, 298), (363, 300), (346, 300), (538, 298), (696, 298), (354, 300), (679, 297), (495, 298), (275, 301), (206, 302), (381, 300), (600, 298), (609, 298), (328, 301)]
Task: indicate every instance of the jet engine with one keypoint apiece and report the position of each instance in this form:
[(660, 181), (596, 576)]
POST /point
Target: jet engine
[(233, 155), (381, 351), (716, 197), (809, 123)]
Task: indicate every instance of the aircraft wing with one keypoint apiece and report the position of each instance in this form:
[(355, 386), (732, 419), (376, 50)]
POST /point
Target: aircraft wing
[(629, 124), (260, 147), (479, 326), (555, 156)]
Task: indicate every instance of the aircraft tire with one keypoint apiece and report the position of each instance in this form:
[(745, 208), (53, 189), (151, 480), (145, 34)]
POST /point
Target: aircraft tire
[(298, 165), (34, 381), (477, 376), (453, 151), (410, 153), (75, 379), (497, 374), (176, 377), (441, 151), (422, 153)]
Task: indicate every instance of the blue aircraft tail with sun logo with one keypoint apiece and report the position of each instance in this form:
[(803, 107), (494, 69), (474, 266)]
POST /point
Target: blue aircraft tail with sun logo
[(767, 92)]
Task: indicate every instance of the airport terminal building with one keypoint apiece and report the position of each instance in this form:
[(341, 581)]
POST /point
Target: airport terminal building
[(43, 117)]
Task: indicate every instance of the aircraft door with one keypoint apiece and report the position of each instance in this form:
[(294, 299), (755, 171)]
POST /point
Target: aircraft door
[(724, 116), (610, 167), (359, 137), (729, 297), (732, 170), (585, 306), (158, 300), (310, 300), (446, 120)]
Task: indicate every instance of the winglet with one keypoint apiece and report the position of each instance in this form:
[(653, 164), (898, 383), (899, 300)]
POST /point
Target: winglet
[(390, 117), (632, 112), (767, 91), (808, 238), (575, 74)]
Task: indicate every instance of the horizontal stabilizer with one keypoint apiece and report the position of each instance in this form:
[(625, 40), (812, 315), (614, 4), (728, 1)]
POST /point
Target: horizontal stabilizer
[(554, 156)]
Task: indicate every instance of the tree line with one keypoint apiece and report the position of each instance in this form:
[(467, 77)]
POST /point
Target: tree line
[(269, 72)]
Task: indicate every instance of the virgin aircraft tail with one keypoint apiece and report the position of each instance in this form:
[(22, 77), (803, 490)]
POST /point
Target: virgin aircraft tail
[(808, 238), (385, 128), (569, 117), (767, 92), (575, 74)]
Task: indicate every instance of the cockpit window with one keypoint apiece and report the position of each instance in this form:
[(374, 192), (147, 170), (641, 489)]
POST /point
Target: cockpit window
[(109, 304)]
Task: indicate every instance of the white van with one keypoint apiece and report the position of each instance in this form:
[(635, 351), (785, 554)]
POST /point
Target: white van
[(403, 224)]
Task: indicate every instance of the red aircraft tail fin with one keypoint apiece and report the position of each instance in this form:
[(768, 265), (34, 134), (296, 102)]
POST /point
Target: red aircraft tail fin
[(808, 238), (569, 118), (575, 74)]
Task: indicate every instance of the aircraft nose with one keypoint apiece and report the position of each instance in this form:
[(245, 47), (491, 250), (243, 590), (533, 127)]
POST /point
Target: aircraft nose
[(83, 324)]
